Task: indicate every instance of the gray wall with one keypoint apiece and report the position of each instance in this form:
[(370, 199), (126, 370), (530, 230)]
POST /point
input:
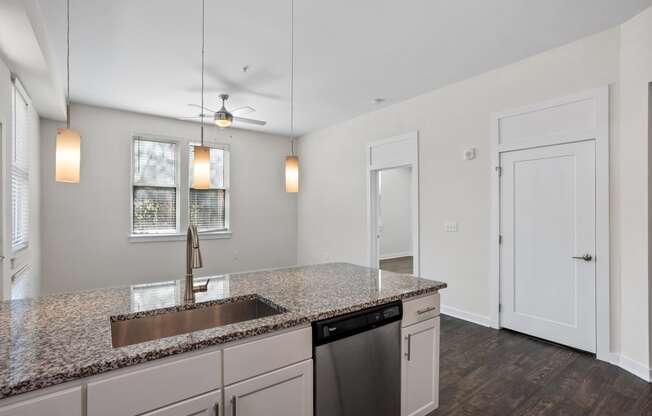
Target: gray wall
[(333, 208), (86, 225)]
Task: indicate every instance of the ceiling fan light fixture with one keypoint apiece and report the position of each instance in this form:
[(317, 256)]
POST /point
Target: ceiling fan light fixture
[(223, 118)]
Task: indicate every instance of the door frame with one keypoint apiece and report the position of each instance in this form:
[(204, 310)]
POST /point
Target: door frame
[(395, 152), (572, 118)]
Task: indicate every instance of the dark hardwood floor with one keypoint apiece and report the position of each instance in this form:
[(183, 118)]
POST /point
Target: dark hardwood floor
[(489, 372), (397, 264)]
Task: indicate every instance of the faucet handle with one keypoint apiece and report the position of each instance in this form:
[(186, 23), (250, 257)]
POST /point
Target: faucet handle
[(200, 287)]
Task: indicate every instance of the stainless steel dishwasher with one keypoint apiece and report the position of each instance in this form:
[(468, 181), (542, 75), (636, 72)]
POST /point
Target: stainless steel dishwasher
[(357, 360)]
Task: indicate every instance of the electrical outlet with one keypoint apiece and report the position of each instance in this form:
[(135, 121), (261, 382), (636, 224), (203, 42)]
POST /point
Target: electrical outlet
[(450, 226)]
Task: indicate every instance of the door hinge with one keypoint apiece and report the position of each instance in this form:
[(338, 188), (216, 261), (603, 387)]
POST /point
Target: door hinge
[(500, 239), (500, 307), (499, 170)]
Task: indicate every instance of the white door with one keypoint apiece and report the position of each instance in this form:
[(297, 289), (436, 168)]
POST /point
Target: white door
[(420, 368), (284, 392), (547, 225)]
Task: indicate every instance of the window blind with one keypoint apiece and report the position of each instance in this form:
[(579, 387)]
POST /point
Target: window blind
[(20, 175), (155, 187), (207, 207)]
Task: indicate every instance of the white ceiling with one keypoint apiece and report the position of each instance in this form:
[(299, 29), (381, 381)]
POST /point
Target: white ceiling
[(144, 55)]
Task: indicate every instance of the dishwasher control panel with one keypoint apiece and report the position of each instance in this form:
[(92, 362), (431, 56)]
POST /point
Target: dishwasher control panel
[(332, 329)]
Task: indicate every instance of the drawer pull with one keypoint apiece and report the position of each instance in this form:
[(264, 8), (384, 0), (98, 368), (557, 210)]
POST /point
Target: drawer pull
[(426, 310), (408, 354)]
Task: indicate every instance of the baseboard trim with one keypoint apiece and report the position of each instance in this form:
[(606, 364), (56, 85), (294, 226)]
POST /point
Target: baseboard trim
[(632, 366), (465, 315), (395, 255)]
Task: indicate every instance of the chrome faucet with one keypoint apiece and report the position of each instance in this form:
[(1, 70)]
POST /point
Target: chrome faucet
[(193, 261)]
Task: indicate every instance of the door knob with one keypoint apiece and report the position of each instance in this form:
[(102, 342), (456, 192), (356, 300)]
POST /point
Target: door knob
[(586, 257)]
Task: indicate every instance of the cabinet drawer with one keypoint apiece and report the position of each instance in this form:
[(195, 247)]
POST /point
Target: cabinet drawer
[(156, 386), (205, 405), (62, 403), (258, 357), (420, 309)]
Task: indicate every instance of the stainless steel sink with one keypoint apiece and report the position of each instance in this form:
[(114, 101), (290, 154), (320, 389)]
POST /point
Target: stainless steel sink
[(166, 324)]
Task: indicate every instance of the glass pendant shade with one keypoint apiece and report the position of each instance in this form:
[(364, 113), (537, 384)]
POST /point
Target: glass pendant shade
[(68, 155), (292, 174), (223, 119), (201, 169)]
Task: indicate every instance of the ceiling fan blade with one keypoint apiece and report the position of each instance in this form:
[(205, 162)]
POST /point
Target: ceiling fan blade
[(197, 117), (200, 107), (249, 121), (245, 109)]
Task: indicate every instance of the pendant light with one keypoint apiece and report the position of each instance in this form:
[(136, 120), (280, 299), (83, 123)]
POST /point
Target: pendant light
[(292, 161), (68, 144), (201, 169)]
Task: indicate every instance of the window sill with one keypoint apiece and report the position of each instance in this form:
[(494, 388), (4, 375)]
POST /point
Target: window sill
[(149, 238)]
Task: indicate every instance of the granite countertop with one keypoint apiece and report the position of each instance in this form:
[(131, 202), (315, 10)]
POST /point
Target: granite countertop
[(57, 338)]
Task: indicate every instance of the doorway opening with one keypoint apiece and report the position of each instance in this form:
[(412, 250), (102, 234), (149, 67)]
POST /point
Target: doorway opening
[(393, 204), (394, 220)]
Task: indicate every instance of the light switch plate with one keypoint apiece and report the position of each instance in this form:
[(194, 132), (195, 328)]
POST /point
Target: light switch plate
[(450, 226)]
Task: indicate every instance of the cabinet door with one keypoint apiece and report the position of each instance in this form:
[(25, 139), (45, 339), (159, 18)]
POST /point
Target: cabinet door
[(284, 392), (204, 405), (420, 368), (62, 403)]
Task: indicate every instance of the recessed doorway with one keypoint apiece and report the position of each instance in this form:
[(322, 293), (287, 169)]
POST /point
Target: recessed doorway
[(393, 202), (394, 220)]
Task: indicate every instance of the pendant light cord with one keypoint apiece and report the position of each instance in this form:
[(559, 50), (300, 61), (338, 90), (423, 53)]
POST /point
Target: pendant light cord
[(292, 74), (202, 69), (68, 64)]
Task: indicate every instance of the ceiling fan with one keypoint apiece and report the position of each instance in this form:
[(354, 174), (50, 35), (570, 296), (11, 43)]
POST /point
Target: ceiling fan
[(223, 117)]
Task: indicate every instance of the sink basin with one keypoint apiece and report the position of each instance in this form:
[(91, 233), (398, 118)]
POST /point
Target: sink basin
[(166, 324)]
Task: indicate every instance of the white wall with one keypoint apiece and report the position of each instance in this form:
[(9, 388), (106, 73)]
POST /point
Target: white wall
[(633, 206), (29, 284), (332, 208), (86, 225), (395, 212)]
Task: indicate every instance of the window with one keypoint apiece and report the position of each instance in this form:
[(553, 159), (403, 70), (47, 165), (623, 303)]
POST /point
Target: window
[(155, 187), (207, 207), (19, 175)]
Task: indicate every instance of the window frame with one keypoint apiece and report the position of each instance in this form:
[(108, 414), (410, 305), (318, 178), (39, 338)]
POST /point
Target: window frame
[(177, 183), (182, 179), (18, 90)]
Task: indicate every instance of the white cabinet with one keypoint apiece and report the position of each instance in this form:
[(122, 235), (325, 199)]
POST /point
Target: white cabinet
[(284, 392), (204, 405), (62, 403), (142, 389), (420, 368)]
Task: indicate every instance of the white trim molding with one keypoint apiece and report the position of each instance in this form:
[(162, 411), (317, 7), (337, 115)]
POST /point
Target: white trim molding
[(395, 152), (583, 116), (394, 255), (150, 238), (466, 316), (638, 369)]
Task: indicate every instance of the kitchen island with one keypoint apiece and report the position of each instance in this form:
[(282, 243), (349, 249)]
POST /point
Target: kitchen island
[(66, 339)]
